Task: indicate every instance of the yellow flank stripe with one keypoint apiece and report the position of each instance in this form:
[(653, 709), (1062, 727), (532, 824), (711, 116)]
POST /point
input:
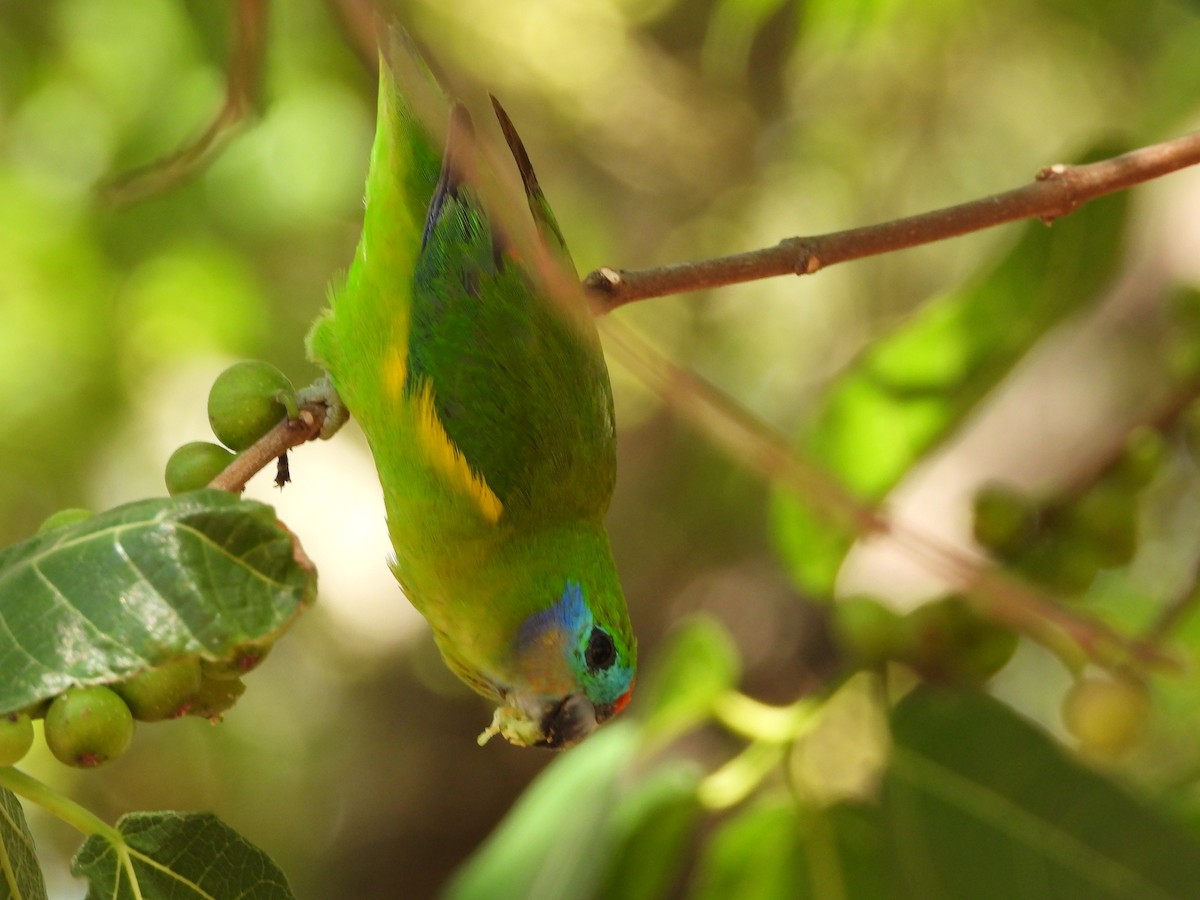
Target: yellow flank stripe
[(448, 460), (394, 366)]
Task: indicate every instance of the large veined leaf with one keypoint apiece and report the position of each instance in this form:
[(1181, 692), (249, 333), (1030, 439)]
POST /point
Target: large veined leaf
[(20, 874), (757, 854), (591, 825), (178, 856), (976, 804), (979, 803), (654, 824), (139, 585), (775, 849), (909, 391)]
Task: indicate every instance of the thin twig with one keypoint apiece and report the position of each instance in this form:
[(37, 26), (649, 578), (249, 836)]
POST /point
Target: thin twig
[(1163, 417), (243, 82), (1176, 612), (287, 434), (363, 26), (1056, 191)]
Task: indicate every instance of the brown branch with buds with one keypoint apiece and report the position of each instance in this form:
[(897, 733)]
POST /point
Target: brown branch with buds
[(291, 432), (1056, 191)]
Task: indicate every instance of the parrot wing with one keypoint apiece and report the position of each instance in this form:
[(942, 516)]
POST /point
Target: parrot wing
[(515, 382)]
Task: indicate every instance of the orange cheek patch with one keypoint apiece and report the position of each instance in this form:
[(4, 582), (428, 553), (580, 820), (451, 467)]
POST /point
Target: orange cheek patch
[(544, 664)]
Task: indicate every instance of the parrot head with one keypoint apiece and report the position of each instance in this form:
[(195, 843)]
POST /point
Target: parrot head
[(569, 671)]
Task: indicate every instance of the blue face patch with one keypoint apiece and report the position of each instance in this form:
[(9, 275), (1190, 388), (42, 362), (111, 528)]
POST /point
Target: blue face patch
[(570, 614), (571, 618)]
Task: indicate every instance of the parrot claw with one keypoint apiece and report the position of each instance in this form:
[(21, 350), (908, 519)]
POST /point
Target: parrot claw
[(323, 391)]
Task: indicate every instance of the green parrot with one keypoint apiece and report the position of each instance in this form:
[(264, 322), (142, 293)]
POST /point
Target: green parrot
[(488, 409)]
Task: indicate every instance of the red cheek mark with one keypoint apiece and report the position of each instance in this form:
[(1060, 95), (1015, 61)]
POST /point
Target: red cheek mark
[(623, 701)]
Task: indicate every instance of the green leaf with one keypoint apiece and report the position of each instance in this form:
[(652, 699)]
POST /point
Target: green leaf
[(909, 391), (142, 584), (555, 841), (756, 855), (732, 31), (590, 826), (654, 823), (979, 803), (20, 874), (175, 856), (698, 664), (776, 849)]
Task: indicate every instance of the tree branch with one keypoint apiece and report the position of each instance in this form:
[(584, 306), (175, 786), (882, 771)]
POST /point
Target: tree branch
[(287, 434), (243, 82), (1056, 191), (363, 27)]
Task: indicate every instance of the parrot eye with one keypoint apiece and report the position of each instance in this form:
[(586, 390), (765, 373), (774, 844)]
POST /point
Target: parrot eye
[(601, 652)]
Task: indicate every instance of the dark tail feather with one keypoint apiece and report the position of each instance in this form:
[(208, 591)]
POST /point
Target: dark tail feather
[(460, 138), (546, 223)]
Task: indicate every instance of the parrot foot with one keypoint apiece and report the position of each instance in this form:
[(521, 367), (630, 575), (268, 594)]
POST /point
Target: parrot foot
[(323, 391)]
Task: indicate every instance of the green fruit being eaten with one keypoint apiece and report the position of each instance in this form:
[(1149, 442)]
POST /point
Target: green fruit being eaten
[(162, 693), (194, 465), (88, 726), (246, 401), (16, 737)]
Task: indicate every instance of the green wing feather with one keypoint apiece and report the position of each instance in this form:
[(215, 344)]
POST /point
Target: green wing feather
[(518, 382), (365, 333)]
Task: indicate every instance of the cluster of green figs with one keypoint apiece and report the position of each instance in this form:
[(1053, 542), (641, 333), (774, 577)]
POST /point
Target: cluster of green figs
[(1063, 541), (246, 401), (88, 725), (1058, 543)]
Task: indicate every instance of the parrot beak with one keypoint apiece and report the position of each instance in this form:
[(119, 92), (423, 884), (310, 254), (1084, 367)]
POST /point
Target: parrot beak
[(570, 721), (528, 720)]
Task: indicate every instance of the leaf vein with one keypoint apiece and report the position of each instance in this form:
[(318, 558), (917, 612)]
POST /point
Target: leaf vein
[(1037, 833)]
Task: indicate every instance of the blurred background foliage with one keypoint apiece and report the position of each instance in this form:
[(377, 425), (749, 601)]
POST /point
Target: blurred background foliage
[(662, 131)]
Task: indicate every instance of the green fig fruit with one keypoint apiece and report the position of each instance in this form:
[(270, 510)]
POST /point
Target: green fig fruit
[(194, 465), (88, 726), (161, 693), (246, 401), (16, 737)]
